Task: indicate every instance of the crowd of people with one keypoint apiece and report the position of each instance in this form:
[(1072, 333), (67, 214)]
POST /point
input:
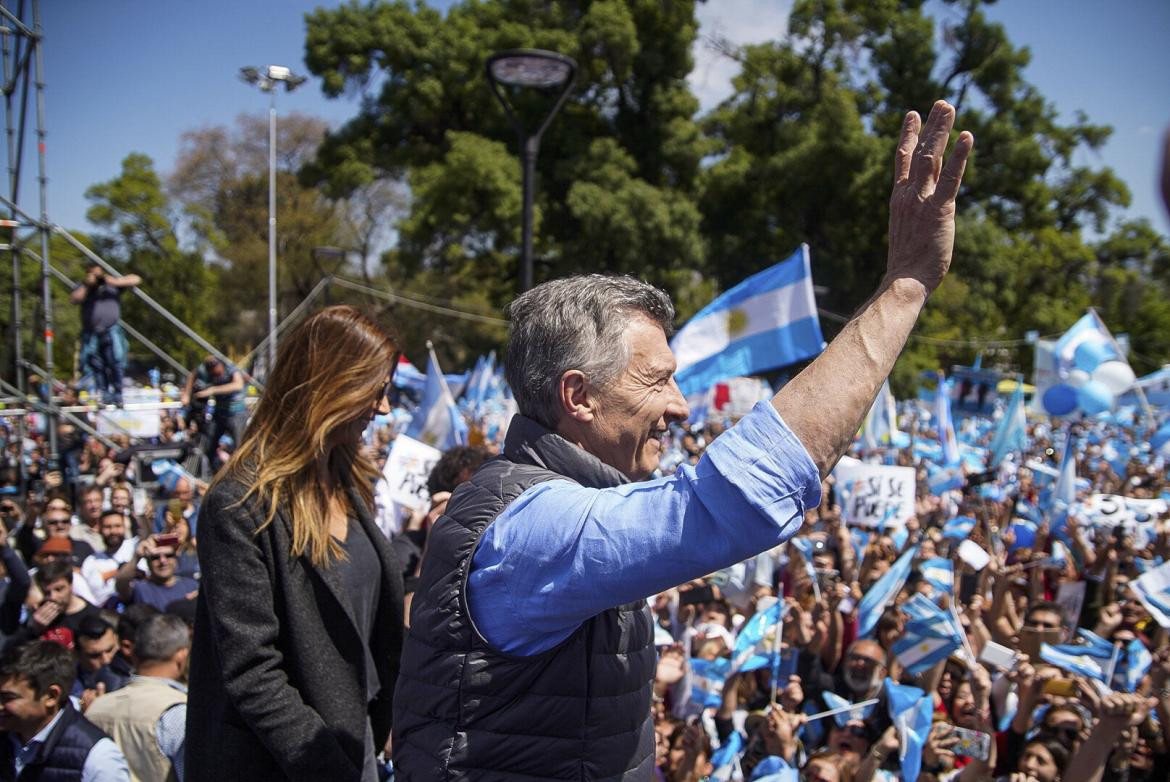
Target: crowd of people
[(90, 560), (612, 592)]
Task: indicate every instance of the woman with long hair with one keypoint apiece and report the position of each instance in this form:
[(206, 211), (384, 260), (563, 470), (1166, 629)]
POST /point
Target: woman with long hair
[(298, 624)]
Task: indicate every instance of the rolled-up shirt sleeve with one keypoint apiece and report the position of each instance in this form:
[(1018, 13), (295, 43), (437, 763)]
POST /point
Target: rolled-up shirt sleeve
[(562, 553)]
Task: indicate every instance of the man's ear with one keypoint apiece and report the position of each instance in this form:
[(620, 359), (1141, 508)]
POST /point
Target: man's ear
[(573, 394), (51, 697)]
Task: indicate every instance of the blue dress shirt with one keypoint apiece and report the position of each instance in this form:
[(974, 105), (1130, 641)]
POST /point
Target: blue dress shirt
[(562, 553)]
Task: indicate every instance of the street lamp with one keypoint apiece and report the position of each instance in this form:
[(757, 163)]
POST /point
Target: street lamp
[(542, 70), (267, 80)]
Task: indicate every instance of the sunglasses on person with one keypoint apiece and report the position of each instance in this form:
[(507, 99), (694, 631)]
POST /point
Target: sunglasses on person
[(161, 555), (384, 391)]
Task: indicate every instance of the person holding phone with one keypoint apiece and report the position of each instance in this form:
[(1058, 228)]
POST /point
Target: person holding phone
[(298, 623), (162, 584)]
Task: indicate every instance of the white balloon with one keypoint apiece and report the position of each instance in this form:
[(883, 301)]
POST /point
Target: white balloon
[(1077, 378), (1114, 375)]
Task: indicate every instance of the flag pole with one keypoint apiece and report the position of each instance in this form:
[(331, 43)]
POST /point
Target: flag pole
[(841, 709)]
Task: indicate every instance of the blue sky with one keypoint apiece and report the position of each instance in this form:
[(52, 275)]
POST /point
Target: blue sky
[(127, 77)]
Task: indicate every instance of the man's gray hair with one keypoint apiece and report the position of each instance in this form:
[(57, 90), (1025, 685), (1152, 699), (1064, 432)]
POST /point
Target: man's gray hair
[(575, 323), (159, 637)]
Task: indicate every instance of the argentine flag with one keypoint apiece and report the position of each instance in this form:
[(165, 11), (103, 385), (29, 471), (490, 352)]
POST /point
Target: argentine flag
[(881, 422), (1090, 329), (1074, 659), (1153, 589), (911, 711), (767, 321), (1011, 434), (931, 635), (959, 528), (707, 680), (882, 593), (758, 641), (939, 572), (834, 701), (438, 421), (725, 760)]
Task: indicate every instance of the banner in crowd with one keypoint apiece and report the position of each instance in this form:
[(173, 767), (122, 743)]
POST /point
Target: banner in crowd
[(407, 468), (1109, 510), (144, 423), (767, 321), (875, 495)]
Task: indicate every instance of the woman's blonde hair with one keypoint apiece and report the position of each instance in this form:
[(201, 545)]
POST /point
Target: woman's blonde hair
[(327, 375)]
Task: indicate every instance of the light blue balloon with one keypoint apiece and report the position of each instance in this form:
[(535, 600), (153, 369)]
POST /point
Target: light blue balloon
[(1061, 399), (1094, 397), (1090, 354)]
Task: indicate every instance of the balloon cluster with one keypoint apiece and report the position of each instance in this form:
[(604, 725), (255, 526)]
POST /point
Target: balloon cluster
[(1094, 383)]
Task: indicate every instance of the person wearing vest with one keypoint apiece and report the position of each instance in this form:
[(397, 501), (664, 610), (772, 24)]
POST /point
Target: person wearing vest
[(530, 649), (147, 718), (42, 737)]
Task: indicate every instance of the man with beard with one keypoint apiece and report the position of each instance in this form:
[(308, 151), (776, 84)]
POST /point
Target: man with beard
[(162, 586), (859, 677), (101, 567)]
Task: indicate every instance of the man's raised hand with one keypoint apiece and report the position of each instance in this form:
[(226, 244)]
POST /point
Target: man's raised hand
[(922, 205)]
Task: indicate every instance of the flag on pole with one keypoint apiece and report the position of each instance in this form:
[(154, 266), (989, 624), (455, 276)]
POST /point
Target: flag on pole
[(767, 321), (930, 635), (881, 422), (707, 680), (958, 528), (944, 425), (1064, 495), (758, 641), (1074, 658), (725, 760), (1137, 662), (939, 572), (1089, 330), (834, 701), (1153, 589), (437, 422), (911, 711), (882, 593), (1011, 434)]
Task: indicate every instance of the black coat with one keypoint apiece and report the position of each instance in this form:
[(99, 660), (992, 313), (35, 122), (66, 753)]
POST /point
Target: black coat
[(278, 685)]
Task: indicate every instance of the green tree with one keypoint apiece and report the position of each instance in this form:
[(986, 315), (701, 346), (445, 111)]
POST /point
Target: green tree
[(617, 178), (140, 238), (804, 154), (221, 183)]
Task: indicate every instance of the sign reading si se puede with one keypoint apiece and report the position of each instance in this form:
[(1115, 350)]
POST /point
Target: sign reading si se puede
[(875, 495), (406, 471)]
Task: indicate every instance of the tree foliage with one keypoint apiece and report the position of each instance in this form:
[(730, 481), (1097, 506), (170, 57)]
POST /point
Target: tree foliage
[(139, 238), (632, 178)]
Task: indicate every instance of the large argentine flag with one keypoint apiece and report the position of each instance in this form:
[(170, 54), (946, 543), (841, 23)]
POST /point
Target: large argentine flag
[(767, 321)]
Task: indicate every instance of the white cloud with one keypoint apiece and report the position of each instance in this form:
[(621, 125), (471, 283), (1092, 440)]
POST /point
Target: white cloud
[(739, 22)]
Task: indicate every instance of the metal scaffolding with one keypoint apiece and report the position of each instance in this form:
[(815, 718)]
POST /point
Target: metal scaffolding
[(21, 43)]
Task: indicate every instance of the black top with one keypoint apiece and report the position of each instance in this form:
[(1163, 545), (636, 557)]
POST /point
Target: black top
[(361, 576), (100, 309)]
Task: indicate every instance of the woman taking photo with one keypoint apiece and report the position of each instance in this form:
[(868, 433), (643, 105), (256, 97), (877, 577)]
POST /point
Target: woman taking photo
[(299, 618)]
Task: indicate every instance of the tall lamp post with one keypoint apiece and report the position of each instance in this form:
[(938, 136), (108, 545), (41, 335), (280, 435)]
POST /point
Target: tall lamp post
[(542, 70), (267, 80)]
